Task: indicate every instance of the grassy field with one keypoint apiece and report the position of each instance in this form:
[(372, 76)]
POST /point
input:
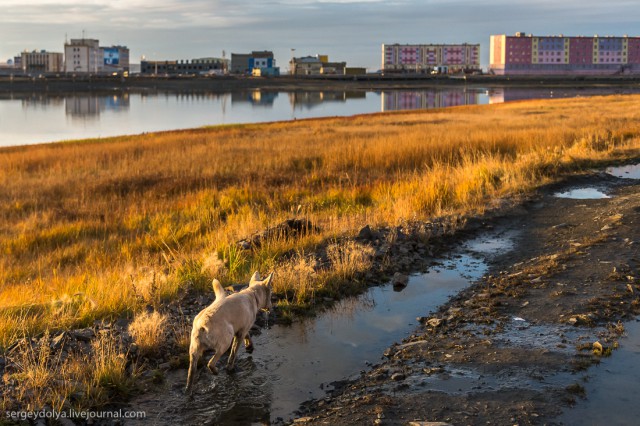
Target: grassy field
[(100, 228)]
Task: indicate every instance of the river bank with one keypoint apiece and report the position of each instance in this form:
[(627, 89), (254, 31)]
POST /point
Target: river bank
[(355, 83)]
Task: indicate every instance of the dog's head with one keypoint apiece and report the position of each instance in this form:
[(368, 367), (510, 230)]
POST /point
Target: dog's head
[(262, 289)]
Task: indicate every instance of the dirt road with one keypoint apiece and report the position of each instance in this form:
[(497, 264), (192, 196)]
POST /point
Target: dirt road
[(515, 347)]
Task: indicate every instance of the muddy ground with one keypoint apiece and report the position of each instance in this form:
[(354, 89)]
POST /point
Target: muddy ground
[(513, 348)]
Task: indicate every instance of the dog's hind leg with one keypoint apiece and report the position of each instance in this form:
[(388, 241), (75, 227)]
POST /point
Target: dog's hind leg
[(234, 351), (248, 344), (194, 355)]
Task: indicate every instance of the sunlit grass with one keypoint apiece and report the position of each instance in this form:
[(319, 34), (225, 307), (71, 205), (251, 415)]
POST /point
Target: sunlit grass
[(96, 229)]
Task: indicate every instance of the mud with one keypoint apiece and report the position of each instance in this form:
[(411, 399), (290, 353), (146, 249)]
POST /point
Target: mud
[(523, 344), (293, 363)]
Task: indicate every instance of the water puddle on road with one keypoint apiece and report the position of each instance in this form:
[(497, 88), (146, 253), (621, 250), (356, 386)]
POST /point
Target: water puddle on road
[(292, 364), (612, 387), (627, 172), (582, 194)]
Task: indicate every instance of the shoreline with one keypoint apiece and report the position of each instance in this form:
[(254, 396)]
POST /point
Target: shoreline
[(355, 83)]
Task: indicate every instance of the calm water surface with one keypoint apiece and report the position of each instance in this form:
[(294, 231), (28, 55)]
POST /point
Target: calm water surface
[(39, 117)]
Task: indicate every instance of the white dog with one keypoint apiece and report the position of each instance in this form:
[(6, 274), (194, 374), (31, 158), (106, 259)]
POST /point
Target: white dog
[(227, 320)]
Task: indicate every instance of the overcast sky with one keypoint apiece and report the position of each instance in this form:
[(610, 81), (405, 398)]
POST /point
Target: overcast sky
[(346, 30)]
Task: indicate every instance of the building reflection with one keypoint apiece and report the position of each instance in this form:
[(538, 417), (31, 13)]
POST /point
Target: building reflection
[(255, 97), (426, 99), (309, 100), (506, 94), (88, 106)]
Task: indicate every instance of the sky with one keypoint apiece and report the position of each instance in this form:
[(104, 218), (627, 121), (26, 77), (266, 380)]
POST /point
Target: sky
[(346, 30)]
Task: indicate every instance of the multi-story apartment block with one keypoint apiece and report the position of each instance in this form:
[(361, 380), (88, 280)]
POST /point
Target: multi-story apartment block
[(527, 54), (41, 62), (86, 56), (427, 58)]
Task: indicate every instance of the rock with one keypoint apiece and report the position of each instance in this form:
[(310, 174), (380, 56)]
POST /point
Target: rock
[(396, 377), (434, 322), (399, 281), (84, 335), (366, 234), (164, 366), (428, 424), (288, 228), (58, 341)]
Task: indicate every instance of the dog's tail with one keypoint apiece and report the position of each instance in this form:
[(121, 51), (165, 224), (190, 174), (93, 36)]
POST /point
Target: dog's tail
[(219, 290)]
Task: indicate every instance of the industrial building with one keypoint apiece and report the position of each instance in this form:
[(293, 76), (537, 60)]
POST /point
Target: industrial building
[(201, 66), (41, 62), (256, 63), (431, 58), (525, 54), (316, 65), (85, 56)]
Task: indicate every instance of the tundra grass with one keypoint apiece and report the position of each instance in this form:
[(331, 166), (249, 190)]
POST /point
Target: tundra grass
[(101, 228)]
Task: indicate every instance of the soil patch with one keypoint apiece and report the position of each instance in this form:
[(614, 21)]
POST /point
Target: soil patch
[(513, 348)]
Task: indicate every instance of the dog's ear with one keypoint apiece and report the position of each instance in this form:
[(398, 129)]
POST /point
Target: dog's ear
[(267, 281), (255, 279)]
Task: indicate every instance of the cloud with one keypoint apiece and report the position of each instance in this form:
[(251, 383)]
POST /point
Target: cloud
[(350, 30)]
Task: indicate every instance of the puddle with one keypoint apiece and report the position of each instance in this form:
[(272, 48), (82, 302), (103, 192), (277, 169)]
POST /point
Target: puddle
[(627, 172), (292, 364), (582, 194), (492, 243), (612, 387), (521, 334)]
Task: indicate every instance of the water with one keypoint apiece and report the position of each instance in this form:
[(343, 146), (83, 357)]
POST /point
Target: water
[(292, 364), (582, 194), (50, 117), (36, 118), (627, 172), (612, 387)]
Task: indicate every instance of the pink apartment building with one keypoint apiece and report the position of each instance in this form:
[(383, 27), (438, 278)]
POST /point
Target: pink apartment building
[(423, 58), (559, 55)]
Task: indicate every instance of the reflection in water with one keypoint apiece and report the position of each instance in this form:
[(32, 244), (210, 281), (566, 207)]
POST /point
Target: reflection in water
[(308, 100), (426, 99), (255, 97), (34, 118), (506, 94), (90, 106)]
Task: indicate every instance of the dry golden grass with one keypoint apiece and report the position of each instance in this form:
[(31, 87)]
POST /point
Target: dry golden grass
[(148, 331), (75, 381), (80, 223)]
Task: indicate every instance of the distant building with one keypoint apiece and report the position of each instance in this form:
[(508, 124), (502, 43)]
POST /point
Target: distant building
[(240, 63), (86, 56), (257, 63), (427, 58), (115, 59), (200, 66), (316, 65), (41, 62), (82, 56), (560, 55)]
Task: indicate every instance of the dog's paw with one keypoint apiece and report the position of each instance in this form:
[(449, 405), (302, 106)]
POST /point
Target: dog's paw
[(249, 349), (213, 369)]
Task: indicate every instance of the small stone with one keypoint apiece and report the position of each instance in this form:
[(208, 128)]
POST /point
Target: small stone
[(84, 335), (399, 281), (396, 377), (434, 322)]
